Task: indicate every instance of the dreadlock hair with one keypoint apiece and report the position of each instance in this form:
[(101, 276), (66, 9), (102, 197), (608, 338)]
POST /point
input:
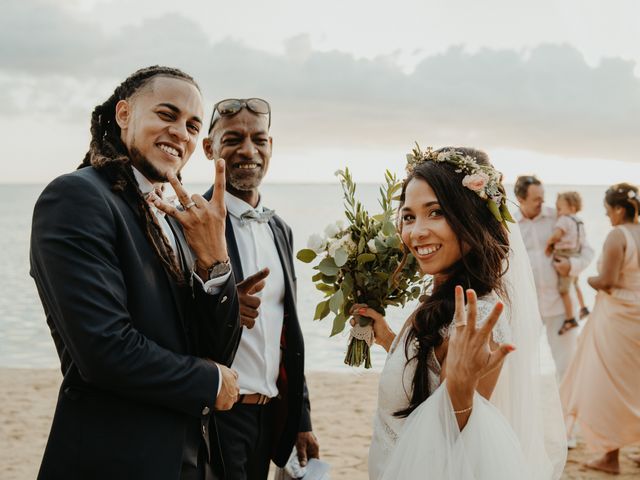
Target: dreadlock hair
[(484, 242), (108, 154)]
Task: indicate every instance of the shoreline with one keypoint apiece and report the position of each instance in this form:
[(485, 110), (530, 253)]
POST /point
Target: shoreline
[(28, 397)]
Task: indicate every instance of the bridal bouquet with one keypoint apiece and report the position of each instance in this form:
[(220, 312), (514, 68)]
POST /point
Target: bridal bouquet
[(364, 262)]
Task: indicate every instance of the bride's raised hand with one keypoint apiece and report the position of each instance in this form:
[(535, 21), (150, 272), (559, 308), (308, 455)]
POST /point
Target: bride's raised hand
[(469, 355), (382, 333)]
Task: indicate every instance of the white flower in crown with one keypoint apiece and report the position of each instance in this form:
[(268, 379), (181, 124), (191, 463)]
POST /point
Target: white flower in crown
[(476, 182), (631, 194)]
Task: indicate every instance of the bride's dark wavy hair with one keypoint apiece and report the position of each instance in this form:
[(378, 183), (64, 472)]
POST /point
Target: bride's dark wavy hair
[(486, 243)]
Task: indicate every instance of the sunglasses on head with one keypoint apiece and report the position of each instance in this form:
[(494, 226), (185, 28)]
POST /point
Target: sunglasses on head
[(231, 106)]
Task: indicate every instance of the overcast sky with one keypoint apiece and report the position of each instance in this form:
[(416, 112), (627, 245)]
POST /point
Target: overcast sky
[(548, 86)]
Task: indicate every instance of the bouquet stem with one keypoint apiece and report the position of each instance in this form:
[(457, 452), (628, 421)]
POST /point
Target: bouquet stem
[(358, 352), (360, 341)]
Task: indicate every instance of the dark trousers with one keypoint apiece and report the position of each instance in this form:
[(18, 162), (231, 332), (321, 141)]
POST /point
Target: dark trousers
[(246, 439), (203, 471)]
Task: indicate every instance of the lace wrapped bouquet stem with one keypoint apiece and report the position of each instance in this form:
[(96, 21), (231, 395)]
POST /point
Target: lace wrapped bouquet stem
[(362, 263)]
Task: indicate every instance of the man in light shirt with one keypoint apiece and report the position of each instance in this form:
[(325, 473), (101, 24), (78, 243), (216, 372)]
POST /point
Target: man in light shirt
[(536, 224), (272, 414)]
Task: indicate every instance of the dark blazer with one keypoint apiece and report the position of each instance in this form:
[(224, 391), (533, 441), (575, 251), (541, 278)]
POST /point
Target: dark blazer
[(292, 405), (135, 398)]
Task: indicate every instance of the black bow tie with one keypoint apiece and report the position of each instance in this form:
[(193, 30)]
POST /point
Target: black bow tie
[(252, 215)]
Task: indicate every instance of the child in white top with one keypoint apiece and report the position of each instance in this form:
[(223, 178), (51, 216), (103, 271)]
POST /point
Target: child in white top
[(566, 241)]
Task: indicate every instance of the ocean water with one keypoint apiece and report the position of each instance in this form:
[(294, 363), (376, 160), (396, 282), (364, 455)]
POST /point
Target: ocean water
[(308, 208)]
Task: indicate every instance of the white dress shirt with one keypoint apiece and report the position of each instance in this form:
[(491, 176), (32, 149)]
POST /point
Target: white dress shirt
[(535, 233), (258, 358)]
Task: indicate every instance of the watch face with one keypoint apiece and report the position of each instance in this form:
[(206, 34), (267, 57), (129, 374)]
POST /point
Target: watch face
[(219, 269)]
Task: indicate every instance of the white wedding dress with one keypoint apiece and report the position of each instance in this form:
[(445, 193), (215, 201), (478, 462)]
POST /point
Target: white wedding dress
[(511, 436)]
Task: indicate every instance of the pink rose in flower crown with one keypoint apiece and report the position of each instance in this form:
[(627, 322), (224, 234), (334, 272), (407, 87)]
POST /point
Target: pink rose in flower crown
[(476, 182)]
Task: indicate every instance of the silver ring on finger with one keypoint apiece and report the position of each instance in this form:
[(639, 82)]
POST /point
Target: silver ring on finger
[(189, 205)]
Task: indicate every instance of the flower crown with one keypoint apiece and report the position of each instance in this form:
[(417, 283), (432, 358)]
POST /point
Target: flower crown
[(630, 193), (483, 180)]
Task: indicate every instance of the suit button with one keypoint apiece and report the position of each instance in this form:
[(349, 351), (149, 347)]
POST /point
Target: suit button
[(71, 393), (205, 411), (224, 299)]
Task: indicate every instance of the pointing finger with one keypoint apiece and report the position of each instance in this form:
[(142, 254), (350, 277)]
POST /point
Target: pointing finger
[(459, 313), (182, 194), (472, 310), (258, 287), (498, 356), (163, 205), (248, 283), (219, 183), (492, 319)]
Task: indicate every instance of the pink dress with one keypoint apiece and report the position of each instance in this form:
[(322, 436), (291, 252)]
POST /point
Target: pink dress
[(601, 387)]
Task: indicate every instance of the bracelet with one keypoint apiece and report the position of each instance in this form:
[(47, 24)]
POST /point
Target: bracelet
[(464, 410)]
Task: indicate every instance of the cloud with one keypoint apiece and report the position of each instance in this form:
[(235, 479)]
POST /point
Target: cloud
[(546, 99)]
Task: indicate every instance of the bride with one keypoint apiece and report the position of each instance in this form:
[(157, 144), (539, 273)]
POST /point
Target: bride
[(454, 402)]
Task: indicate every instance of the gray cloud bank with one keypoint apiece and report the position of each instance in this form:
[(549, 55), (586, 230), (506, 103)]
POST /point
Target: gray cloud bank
[(546, 99)]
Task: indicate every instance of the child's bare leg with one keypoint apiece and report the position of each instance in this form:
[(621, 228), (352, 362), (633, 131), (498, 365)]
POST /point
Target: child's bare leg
[(570, 321)]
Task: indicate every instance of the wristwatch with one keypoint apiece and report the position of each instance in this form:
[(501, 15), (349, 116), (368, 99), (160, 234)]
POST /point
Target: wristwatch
[(218, 269)]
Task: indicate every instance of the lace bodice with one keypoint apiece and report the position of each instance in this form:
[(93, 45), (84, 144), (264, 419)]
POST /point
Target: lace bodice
[(394, 389)]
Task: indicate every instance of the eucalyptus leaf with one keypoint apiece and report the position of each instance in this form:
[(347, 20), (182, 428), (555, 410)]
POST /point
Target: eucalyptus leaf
[(336, 301), (328, 266), (322, 310), (506, 214), (328, 289), (306, 255), (393, 241), (338, 324), (341, 257), (494, 209), (317, 277), (366, 258), (388, 229)]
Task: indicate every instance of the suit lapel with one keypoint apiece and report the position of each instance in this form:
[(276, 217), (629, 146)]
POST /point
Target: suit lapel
[(177, 295), (232, 248), (282, 245)]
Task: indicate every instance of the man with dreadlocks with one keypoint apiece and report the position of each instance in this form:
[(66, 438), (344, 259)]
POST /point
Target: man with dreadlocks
[(138, 294)]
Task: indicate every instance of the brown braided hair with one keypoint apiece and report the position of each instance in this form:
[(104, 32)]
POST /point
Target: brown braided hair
[(480, 268), (626, 196), (108, 155)]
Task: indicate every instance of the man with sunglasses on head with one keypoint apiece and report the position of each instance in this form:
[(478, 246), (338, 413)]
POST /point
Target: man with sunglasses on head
[(272, 413)]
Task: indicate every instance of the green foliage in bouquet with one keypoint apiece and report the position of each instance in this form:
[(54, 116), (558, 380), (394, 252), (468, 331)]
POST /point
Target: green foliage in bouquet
[(360, 264)]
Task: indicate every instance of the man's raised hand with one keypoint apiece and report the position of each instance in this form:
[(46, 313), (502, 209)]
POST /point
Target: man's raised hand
[(203, 221), (249, 301)]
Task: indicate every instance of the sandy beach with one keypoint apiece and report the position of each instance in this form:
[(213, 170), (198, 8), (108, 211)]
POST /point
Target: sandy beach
[(341, 421)]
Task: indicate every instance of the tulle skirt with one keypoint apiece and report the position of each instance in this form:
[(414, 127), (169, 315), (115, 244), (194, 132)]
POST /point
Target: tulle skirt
[(432, 447)]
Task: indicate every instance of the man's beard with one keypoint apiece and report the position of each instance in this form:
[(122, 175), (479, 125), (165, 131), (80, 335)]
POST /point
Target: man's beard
[(146, 168), (245, 184)]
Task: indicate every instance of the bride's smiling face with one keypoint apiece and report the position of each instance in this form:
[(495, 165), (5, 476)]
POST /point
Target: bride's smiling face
[(425, 231)]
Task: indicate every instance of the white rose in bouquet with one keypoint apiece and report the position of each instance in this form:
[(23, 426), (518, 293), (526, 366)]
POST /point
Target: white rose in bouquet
[(317, 243)]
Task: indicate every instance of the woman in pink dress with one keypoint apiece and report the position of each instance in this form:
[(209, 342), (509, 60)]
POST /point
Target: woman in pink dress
[(601, 388)]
